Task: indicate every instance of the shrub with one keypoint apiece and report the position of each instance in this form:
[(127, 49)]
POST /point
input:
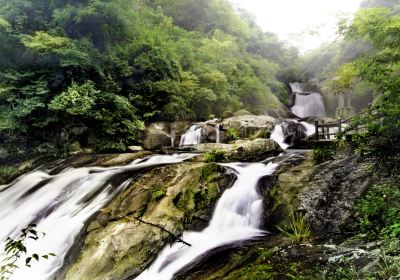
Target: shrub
[(209, 169), (322, 154), (227, 114), (298, 230), (214, 156), (380, 211), (232, 134)]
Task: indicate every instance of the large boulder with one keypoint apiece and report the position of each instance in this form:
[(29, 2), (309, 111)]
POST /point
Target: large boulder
[(326, 193), (254, 150), (250, 126), (163, 134)]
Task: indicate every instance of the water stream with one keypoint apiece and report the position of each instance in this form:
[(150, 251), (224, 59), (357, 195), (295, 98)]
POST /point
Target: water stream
[(60, 205), (237, 217), (192, 136)]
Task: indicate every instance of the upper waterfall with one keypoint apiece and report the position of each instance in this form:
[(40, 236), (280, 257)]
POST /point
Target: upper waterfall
[(307, 104)]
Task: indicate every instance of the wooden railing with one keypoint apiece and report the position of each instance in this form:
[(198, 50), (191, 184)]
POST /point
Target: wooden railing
[(325, 130)]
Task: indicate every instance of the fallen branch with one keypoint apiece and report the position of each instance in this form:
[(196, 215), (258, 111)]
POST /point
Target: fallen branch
[(130, 216)]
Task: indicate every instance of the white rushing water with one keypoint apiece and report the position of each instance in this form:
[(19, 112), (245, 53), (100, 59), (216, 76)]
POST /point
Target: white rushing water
[(237, 217), (309, 105), (59, 205), (192, 136), (217, 133), (296, 87), (278, 134)]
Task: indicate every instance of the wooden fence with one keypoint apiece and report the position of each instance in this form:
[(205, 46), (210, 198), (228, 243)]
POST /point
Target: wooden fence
[(324, 130)]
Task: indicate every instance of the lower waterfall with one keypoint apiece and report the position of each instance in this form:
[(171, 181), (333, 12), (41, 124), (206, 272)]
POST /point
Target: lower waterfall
[(60, 205), (237, 217)]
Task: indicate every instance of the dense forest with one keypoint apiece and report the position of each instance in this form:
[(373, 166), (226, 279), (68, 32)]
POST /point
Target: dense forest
[(100, 69), (85, 84)]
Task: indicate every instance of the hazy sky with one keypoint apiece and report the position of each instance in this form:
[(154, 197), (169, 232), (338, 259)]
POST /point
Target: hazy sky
[(294, 20)]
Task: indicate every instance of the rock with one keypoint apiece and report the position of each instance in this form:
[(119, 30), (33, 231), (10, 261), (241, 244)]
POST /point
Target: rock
[(156, 139), (164, 134), (330, 193), (254, 150), (135, 148), (115, 245), (281, 113), (241, 113), (77, 131), (250, 126)]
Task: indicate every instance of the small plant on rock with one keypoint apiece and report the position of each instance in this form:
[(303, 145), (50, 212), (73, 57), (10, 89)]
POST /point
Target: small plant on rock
[(232, 134), (158, 193), (214, 156), (298, 230), (323, 154)]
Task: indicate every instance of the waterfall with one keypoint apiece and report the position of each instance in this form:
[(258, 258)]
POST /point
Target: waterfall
[(237, 217), (192, 136), (60, 205), (310, 105), (306, 104), (296, 87), (217, 133), (289, 131)]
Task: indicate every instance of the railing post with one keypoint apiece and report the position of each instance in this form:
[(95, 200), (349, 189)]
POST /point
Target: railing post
[(316, 130), (339, 125), (323, 129)]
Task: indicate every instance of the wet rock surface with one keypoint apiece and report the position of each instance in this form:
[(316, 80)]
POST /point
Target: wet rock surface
[(245, 150), (250, 126), (121, 240)]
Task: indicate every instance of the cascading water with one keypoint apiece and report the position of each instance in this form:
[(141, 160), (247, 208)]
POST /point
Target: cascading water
[(60, 205), (192, 136), (217, 133), (296, 87), (237, 217), (306, 104), (281, 133), (310, 105)]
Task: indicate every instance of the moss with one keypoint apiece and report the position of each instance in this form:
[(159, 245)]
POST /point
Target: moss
[(7, 172), (158, 193), (268, 264), (232, 134), (208, 170), (214, 156)]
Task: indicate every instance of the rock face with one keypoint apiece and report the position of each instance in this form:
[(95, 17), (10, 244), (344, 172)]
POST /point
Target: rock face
[(254, 150), (118, 243), (164, 134), (250, 126), (331, 192), (325, 193)]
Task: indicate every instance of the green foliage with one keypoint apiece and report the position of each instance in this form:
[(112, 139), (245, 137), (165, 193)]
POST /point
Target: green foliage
[(379, 212), (298, 230), (386, 264), (158, 193), (111, 65), (379, 27), (214, 156), (322, 154), (209, 169), (232, 134), (16, 249)]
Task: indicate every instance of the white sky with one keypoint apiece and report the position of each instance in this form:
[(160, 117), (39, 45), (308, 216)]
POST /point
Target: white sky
[(294, 20)]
